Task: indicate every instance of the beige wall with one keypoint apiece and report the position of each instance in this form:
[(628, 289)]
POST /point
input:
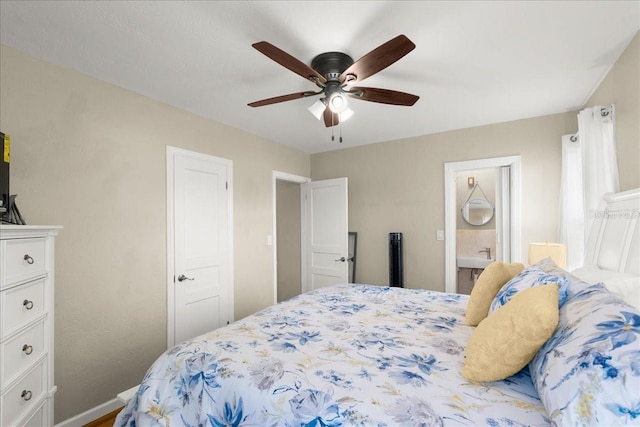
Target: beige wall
[(91, 157), (399, 186), (622, 88)]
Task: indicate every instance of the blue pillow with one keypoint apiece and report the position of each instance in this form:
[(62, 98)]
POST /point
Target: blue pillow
[(530, 277), (588, 372)]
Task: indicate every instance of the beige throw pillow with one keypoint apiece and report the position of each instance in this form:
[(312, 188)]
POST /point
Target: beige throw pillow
[(490, 281), (506, 341)]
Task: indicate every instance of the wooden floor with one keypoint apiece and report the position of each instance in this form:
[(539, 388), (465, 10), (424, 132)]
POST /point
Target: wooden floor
[(105, 420)]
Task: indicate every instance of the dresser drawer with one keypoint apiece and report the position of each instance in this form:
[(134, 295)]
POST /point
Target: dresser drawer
[(21, 305), (40, 418), (24, 259), (24, 395), (21, 352)]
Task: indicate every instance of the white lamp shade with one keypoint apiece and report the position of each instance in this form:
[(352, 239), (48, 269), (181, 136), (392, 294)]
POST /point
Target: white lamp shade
[(556, 251), (317, 108), (345, 115), (338, 102)]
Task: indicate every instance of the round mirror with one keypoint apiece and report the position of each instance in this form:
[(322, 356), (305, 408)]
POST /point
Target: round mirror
[(477, 211)]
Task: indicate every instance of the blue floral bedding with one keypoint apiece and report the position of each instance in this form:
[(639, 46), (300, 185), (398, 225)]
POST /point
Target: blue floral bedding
[(347, 355)]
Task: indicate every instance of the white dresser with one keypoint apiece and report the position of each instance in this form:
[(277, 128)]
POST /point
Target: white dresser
[(26, 324)]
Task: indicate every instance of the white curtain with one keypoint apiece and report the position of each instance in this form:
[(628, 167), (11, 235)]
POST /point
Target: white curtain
[(572, 213), (589, 171), (599, 162)]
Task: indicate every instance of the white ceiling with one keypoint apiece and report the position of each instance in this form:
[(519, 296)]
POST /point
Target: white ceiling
[(475, 62)]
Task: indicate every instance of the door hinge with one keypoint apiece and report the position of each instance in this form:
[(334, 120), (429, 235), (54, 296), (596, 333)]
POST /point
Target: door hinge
[(226, 185)]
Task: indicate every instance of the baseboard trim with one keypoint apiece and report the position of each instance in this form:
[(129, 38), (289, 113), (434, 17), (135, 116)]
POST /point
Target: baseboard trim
[(92, 414)]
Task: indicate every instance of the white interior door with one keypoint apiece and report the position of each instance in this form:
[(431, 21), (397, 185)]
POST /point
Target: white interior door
[(200, 285), (326, 236)]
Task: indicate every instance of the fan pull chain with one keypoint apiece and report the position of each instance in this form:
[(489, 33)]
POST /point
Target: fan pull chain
[(333, 137)]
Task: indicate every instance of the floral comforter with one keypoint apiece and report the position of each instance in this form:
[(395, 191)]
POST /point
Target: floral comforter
[(347, 355)]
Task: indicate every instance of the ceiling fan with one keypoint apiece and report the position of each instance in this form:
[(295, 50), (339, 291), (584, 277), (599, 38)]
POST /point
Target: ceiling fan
[(335, 73)]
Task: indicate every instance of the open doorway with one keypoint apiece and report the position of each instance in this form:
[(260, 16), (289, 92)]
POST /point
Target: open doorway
[(478, 218), (287, 235), (507, 210)]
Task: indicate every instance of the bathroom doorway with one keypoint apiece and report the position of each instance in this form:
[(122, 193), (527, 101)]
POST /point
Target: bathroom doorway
[(286, 238), (500, 178), (476, 219)]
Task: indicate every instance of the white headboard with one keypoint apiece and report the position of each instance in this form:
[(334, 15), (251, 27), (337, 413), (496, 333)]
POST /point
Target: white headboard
[(614, 238)]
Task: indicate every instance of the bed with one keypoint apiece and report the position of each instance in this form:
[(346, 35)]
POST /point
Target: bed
[(366, 355)]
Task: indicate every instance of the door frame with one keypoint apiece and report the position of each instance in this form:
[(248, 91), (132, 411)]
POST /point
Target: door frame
[(450, 212), (171, 154), (284, 176)]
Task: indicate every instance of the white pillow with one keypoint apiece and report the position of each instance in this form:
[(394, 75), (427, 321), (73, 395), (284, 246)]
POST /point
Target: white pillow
[(626, 286), (627, 289)]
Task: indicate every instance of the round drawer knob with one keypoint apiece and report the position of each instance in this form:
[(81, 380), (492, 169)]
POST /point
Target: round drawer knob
[(26, 395), (27, 304), (27, 349), (29, 259)]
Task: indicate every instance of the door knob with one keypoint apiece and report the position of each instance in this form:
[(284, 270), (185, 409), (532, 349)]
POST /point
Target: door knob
[(182, 278), (343, 259)]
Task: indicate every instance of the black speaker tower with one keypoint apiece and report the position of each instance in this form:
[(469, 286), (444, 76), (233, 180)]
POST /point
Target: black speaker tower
[(396, 278)]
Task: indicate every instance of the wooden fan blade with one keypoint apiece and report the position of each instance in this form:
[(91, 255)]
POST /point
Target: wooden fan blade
[(383, 96), (330, 118), (288, 61), (378, 59), (282, 98)]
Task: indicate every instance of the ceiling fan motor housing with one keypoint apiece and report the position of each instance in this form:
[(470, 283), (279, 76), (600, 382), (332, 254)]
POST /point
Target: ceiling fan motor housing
[(331, 64)]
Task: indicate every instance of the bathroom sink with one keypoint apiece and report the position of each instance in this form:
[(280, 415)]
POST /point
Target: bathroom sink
[(473, 262)]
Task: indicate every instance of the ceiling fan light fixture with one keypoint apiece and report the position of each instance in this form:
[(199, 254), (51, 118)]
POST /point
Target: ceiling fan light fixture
[(318, 107), (345, 115), (338, 103)]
